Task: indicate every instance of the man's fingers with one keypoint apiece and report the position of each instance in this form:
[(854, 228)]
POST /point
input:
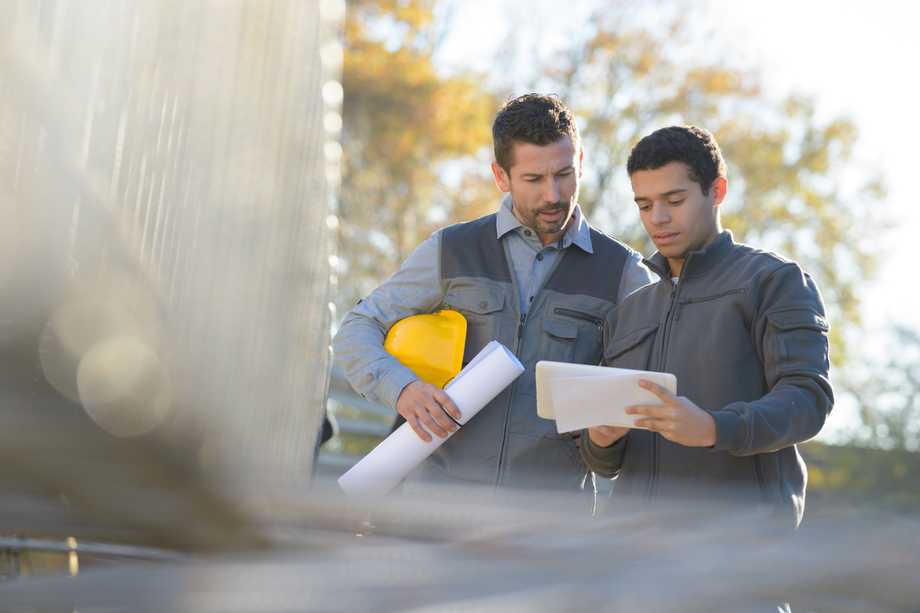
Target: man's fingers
[(655, 411), (431, 425), (419, 431), (440, 417), (447, 404), (656, 425), (656, 389)]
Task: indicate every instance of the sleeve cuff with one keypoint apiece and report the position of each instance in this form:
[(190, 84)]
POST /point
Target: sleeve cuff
[(391, 386), (605, 461), (730, 431)]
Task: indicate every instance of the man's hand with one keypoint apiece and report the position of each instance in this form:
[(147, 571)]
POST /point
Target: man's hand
[(605, 436), (677, 418), (425, 408)]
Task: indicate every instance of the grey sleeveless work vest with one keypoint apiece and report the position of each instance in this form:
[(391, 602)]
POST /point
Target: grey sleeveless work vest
[(507, 444)]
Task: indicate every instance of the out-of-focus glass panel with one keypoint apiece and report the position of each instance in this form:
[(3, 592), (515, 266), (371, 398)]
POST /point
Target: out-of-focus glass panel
[(165, 194)]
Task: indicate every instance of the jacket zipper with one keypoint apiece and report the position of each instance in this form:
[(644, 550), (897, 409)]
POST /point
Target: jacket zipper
[(579, 315), (662, 356), (522, 320), (501, 452)]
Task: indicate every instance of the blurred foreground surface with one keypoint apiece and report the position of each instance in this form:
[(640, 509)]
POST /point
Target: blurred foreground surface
[(477, 551)]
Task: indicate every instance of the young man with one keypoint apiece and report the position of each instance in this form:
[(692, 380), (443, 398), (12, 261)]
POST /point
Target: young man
[(743, 330), (535, 276)]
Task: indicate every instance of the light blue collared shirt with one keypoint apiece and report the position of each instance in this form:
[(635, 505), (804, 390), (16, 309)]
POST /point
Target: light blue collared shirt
[(531, 261)]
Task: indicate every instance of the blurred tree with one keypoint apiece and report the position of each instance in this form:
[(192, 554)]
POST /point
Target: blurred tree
[(888, 393), (850, 478), (793, 188), (409, 133), (411, 139)]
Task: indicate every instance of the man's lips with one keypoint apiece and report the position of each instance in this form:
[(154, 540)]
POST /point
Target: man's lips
[(551, 214), (665, 237)]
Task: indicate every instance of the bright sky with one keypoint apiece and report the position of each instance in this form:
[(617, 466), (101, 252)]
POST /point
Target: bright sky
[(855, 58)]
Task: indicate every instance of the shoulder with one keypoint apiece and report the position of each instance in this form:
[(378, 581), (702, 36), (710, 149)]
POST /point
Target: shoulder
[(602, 240), (778, 282), (761, 264), (465, 228)]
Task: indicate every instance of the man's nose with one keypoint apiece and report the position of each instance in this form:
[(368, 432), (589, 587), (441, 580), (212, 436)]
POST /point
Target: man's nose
[(660, 213), (551, 193)]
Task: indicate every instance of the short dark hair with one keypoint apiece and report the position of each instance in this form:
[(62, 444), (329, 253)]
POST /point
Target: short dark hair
[(695, 147), (532, 118)]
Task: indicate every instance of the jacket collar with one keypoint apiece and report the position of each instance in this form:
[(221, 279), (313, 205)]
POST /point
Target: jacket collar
[(697, 262)]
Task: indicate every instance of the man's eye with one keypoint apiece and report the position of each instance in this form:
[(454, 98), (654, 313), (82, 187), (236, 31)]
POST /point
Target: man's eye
[(645, 207), (676, 202)]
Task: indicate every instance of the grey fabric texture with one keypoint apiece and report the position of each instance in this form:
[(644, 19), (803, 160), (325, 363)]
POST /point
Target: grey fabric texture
[(745, 333)]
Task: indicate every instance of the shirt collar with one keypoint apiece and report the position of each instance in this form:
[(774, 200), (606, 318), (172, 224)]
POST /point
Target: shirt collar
[(578, 233)]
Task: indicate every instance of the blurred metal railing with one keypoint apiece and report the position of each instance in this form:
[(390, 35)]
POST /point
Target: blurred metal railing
[(359, 425)]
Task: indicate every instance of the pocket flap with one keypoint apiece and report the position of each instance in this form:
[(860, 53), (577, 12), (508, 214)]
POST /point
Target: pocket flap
[(560, 329), (475, 301), (792, 319), (622, 344)]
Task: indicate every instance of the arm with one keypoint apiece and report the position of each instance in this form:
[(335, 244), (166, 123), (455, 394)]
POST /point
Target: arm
[(790, 335), (374, 373), (635, 275)]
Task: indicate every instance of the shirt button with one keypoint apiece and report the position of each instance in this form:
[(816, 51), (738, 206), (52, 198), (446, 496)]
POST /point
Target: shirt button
[(540, 256), (527, 232), (531, 298)]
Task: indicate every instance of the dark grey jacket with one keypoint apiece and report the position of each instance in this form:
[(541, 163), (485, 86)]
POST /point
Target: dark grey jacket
[(745, 333)]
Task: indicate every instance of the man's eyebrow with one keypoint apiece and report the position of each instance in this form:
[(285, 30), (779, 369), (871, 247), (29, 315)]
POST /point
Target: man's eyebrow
[(673, 192), (540, 174)]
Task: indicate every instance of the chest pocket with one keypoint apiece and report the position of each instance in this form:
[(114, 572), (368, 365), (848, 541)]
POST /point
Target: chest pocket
[(572, 335), (482, 309), (631, 350), (559, 340)]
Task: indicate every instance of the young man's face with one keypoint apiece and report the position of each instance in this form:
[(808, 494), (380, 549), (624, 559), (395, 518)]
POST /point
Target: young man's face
[(543, 182), (676, 214)]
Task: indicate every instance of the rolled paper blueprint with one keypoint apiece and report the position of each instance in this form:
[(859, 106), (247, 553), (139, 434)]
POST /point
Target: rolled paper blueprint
[(492, 370)]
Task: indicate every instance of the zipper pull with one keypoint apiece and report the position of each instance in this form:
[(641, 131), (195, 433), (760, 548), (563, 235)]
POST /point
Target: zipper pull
[(521, 326)]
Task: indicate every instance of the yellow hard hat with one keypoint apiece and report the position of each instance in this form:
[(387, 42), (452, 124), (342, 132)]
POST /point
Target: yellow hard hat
[(431, 346)]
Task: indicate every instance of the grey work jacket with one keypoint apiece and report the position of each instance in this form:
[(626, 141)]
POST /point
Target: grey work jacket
[(507, 444), (745, 333)]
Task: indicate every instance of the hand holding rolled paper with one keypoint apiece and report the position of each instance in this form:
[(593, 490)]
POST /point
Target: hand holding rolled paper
[(490, 372), (428, 410)]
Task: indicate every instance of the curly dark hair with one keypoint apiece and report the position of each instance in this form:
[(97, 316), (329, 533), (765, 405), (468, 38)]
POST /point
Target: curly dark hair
[(532, 118), (695, 147)]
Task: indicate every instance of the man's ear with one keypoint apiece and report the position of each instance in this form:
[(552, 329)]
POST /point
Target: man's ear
[(581, 161), (502, 180), (719, 189)]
